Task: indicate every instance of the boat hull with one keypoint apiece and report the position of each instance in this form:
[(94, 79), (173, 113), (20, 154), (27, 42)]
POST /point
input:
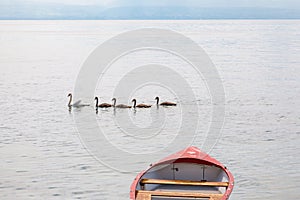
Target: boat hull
[(187, 174)]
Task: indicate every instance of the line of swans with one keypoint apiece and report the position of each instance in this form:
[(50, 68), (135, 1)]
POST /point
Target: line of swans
[(78, 103)]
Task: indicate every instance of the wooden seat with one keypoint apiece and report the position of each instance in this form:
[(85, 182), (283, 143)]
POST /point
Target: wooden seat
[(146, 195), (183, 182)]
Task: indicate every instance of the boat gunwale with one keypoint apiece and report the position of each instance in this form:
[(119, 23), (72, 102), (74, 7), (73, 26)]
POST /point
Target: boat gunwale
[(184, 157)]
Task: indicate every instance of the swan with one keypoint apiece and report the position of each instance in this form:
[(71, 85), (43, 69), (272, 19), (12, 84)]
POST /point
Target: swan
[(139, 105), (119, 105), (166, 103), (77, 104), (102, 105)]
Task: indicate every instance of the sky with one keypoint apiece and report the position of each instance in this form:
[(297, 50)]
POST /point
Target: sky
[(59, 8), (201, 3)]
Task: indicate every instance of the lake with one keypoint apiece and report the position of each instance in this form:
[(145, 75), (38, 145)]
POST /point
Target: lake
[(46, 153)]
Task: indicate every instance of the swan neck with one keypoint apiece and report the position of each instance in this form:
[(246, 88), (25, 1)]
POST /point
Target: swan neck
[(96, 101), (70, 100), (114, 102), (157, 101), (134, 104)]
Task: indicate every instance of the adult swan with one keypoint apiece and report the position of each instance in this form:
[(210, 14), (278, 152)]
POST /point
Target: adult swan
[(77, 104)]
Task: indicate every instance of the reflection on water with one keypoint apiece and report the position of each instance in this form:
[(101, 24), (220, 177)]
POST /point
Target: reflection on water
[(43, 156)]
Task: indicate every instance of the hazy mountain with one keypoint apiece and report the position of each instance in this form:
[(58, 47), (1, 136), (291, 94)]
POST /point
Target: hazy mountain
[(54, 11)]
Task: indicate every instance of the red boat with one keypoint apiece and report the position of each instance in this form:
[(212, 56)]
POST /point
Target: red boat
[(187, 174)]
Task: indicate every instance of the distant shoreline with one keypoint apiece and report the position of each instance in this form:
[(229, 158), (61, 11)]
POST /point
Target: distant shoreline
[(269, 19), (59, 12)]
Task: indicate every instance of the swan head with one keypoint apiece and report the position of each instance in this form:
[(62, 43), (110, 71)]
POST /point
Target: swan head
[(133, 100), (157, 100), (70, 99), (114, 101), (96, 98)]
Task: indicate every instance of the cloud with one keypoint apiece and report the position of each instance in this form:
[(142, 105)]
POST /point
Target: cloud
[(62, 2), (167, 3)]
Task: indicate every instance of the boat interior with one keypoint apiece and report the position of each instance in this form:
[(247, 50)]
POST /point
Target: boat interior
[(182, 181)]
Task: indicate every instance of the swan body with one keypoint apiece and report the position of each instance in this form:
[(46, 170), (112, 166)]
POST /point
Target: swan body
[(77, 104), (119, 105), (139, 105), (102, 105), (166, 103)]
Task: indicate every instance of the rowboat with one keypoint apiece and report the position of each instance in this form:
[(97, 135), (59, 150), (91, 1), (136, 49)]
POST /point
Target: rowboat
[(187, 174)]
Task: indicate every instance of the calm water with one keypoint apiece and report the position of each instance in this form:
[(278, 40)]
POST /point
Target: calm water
[(42, 155)]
